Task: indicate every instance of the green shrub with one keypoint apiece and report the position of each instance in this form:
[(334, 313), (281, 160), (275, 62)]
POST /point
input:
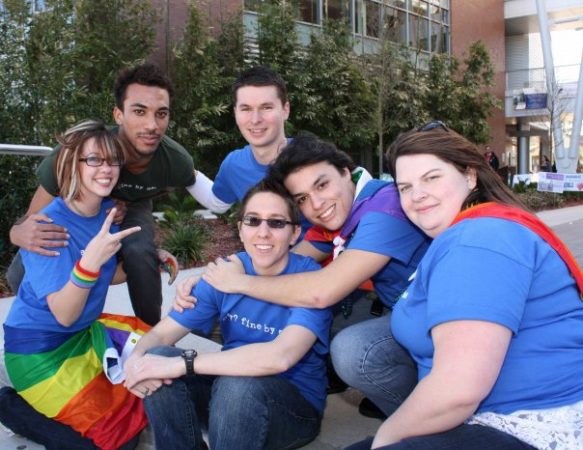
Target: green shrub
[(539, 201), (178, 208), (186, 239)]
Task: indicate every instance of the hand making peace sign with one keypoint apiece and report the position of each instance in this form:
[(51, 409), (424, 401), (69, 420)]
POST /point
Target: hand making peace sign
[(104, 245)]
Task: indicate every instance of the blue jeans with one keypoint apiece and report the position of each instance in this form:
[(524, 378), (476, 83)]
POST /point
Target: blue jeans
[(367, 357), (23, 419), (466, 437), (239, 412)]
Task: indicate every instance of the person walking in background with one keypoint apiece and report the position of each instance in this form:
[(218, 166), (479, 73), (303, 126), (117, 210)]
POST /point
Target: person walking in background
[(492, 159), (500, 364), (546, 165)]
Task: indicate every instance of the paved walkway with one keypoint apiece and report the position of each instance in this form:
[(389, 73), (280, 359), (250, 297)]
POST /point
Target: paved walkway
[(342, 424)]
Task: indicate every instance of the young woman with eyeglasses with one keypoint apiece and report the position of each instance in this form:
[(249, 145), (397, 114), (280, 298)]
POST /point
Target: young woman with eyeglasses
[(267, 387), (493, 317), (58, 344)]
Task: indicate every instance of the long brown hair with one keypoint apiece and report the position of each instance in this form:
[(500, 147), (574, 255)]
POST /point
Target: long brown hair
[(453, 148), (72, 142)]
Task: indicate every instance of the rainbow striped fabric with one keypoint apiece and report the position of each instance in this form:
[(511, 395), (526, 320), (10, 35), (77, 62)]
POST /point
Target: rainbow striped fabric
[(69, 377)]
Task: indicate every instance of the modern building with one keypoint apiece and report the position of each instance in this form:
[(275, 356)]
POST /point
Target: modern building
[(521, 131), (527, 96)]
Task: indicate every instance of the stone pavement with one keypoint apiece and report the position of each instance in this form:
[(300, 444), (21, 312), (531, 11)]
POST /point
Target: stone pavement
[(342, 424)]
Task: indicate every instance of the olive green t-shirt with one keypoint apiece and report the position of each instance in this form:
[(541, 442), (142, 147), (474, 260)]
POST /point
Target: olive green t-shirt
[(171, 167)]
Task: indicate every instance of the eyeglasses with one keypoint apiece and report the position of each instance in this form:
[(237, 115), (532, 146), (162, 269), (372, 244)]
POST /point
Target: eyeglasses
[(96, 161), (432, 125), (252, 221)]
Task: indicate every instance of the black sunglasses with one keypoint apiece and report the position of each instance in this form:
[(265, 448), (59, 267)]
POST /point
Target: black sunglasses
[(432, 125), (252, 221)]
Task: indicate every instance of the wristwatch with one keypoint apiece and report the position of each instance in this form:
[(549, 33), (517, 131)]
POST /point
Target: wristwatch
[(188, 357)]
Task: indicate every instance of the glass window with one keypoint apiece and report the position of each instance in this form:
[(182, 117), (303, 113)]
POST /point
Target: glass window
[(373, 15), (398, 3), (418, 32), (437, 32), (307, 10), (337, 9), (419, 7), (395, 24), (435, 13)]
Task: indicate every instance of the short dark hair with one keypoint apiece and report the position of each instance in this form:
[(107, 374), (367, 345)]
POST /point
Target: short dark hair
[(307, 150), (451, 147), (273, 187), (144, 74), (260, 76)]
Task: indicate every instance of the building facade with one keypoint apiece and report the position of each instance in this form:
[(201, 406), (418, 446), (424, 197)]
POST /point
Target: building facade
[(520, 136)]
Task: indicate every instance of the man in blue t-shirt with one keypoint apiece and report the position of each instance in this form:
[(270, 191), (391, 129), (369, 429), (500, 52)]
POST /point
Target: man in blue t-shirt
[(261, 109), (267, 387)]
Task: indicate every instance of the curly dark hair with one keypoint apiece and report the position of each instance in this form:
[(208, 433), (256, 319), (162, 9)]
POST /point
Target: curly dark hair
[(144, 74)]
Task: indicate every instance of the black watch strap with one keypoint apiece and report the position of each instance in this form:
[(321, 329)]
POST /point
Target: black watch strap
[(188, 356)]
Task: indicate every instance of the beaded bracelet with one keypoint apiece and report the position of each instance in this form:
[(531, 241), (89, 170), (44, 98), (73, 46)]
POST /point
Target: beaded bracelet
[(83, 278)]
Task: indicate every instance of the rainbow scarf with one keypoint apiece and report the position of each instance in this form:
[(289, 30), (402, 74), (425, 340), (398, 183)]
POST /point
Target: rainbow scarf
[(533, 223), (69, 377)]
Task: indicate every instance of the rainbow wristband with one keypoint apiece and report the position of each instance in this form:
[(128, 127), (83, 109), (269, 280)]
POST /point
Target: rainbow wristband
[(83, 278)]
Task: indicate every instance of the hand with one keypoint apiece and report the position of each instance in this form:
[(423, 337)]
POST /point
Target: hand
[(104, 245), (122, 209), (145, 388), (184, 299), (154, 369), (169, 264), (34, 236), (223, 275)]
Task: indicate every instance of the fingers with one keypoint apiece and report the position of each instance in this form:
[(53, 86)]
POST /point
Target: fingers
[(43, 251), (108, 221), (125, 233), (122, 209), (41, 218), (233, 257)]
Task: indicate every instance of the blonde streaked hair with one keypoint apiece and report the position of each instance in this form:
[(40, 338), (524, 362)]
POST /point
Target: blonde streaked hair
[(72, 142)]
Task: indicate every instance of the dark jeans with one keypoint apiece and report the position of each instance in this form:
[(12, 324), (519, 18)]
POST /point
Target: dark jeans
[(241, 413), (23, 419), (464, 437), (140, 263)]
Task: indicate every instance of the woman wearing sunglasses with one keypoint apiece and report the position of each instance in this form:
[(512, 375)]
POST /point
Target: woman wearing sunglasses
[(57, 342), (493, 318), (267, 387)]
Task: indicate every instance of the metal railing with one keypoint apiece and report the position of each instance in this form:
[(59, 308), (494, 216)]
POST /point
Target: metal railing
[(24, 150)]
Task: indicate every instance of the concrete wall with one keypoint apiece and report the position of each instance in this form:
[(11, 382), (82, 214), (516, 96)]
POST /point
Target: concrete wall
[(473, 20)]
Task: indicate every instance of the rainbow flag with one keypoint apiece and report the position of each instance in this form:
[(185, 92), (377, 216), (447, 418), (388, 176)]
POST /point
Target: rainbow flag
[(76, 378)]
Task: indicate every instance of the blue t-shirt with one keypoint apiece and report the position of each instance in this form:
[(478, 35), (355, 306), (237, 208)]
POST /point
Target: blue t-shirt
[(238, 173), (247, 320), (388, 235), (47, 274), (499, 271)]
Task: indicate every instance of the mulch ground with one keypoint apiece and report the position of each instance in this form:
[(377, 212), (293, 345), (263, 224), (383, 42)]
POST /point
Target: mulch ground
[(223, 242)]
